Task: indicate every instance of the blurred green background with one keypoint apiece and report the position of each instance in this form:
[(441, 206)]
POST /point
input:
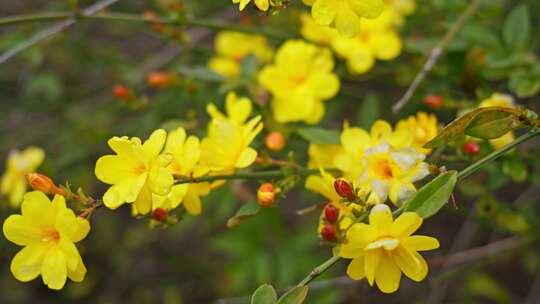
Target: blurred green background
[(57, 95)]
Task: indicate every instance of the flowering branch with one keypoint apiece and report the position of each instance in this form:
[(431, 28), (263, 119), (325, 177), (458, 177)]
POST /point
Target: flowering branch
[(462, 174), (436, 54), (123, 17), (251, 175)]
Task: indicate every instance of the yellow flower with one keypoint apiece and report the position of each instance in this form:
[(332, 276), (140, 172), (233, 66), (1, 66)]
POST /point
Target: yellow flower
[(186, 153), (500, 100), (377, 39), (300, 80), (317, 33), (322, 156), (423, 128), (384, 248), (226, 147), (390, 173), (261, 4), (13, 182), (232, 47), (137, 171), (48, 231), (344, 15)]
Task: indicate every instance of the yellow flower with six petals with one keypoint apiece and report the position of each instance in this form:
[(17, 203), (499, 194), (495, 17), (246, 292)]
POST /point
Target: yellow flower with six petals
[(300, 80), (384, 248), (19, 163), (48, 231), (137, 171)]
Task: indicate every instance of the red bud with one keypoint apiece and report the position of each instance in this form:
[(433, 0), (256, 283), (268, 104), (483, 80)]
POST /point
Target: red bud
[(122, 92), (471, 148), (160, 215), (331, 213), (434, 101), (328, 233), (344, 189)]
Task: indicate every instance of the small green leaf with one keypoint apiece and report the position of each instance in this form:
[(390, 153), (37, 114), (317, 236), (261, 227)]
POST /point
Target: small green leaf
[(430, 198), (517, 28), (491, 124), (525, 82), (245, 212), (316, 135), (515, 168), (297, 295), (454, 132), (265, 294)]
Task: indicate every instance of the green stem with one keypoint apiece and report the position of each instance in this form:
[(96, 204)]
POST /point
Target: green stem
[(463, 174), (252, 175), (123, 17)]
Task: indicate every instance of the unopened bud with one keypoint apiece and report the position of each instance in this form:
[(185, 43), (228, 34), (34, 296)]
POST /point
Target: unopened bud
[(344, 189), (434, 101), (266, 195), (331, 213), (160, 215), (122, 92), (275, 141), (328, 233), (159, 80), (150, 15), (471, 148), (43, 183)]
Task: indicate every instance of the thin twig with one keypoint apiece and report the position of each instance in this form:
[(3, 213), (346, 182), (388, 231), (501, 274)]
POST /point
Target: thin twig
[(55, 29), (435, 54)]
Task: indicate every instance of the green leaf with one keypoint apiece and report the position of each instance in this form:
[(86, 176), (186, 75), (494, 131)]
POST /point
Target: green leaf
[(525, 83), (297, 295), (517, 28), (491, 124), (245, 212), (368, 112), (515, 168), (455, 131), (316, 135), (430, 198), (265, 294)]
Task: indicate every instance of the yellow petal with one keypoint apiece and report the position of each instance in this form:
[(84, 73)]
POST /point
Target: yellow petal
[(70, 253), (411, 263), (354, 140), (112, 169), (54, 269), (125, 191), (26, 265), (386, 46), (160, 180), (77, 274), (154, 144), (420, 243), (192, 203), (246, 158), (367, 8), (238, 109), (324, 11), (33, 156), (36, 207), (323, 85), (356, 269), (16, 193), (372, 260), (406, 224), (388, 275), (347, 22), (262, 4), (21, 231), (361, 234), (380, 218), (144, 201)]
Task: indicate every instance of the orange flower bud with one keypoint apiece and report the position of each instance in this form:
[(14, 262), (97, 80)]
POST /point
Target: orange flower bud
[(160, 215), (43, 183), (275, 141), (328, 233), (122, 92), (159, 80), (344, 189), (434, 101), (266, 195)]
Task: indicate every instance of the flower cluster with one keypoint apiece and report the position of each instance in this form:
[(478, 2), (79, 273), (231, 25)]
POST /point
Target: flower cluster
[(232, 47), (143, 173), (376, 39), (300, 80)]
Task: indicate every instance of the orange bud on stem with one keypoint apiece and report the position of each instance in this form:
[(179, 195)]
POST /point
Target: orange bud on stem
[(122, 92), (43, 183), (160, 215), (159, 80), (344, 189), (434, 101), (266, 195), (328, 233), (275, 141)]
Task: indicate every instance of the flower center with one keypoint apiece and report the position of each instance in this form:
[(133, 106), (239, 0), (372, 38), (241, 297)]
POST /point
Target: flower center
[(140, 169), (50, 234), (383, 169), (387, 244)]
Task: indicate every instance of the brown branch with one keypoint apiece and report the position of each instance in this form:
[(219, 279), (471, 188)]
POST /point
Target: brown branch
[(435, 54)]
